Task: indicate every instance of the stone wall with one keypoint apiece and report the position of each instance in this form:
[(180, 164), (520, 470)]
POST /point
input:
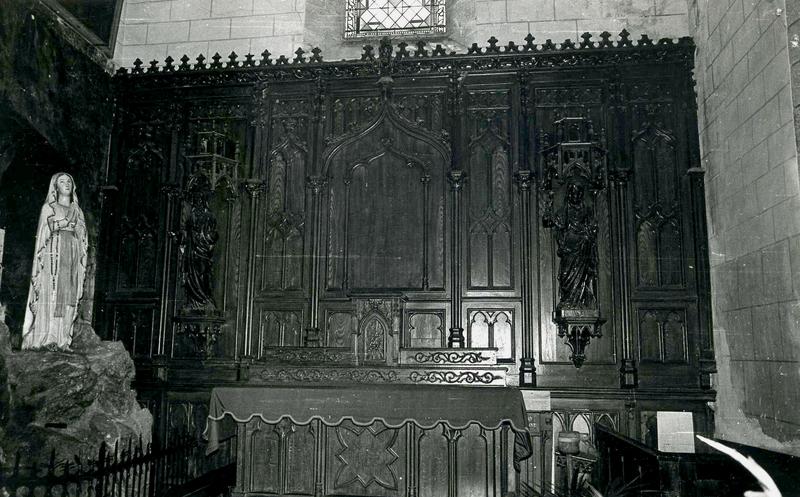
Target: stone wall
[(753, 203), (154, 29)]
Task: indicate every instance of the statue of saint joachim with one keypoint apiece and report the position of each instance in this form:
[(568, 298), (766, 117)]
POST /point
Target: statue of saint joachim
[(59, 267)]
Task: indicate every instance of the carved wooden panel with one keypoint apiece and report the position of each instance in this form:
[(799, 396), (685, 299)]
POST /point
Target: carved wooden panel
[(489, 198), (374, 331), (279, 329), (134, 326), (340, 327), (425, 110), (137, 245), (366, 461), (433, 444), (492, 328), (265, 445), (425, 329), (350, 113), (656, 197), (385, 214), (662, 335), (475, 453), (377, 226), (281, 452), (280, 257), (300, 450), (186, 417)]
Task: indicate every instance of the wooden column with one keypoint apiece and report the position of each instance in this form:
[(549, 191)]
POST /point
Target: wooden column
[(456, 176), (629, 376), (456, 336), (254, 189), (527, 370), (172, 193), (315, 185)]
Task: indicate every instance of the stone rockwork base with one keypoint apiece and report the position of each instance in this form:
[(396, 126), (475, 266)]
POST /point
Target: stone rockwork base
[(70, 401)]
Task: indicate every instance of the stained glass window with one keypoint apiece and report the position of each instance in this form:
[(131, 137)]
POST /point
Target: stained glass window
[(367, 18)]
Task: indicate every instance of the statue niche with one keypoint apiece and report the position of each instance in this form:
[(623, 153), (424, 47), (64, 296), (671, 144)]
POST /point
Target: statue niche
[(215, 168), (574, 172)]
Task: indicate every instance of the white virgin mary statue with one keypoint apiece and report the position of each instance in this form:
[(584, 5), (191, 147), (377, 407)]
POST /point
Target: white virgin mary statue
[(59, 266)]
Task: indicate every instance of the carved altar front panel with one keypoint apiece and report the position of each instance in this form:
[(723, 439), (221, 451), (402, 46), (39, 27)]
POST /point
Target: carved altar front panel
[(376, 461), (366, 460)]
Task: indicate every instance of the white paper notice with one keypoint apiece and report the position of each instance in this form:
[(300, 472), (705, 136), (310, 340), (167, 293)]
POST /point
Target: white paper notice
[(536, 400), (675, 431)]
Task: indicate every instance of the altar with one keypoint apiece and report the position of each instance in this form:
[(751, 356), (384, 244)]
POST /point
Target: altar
[(372, 440)]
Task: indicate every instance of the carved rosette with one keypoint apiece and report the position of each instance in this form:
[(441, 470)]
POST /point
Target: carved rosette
[(573, 168)]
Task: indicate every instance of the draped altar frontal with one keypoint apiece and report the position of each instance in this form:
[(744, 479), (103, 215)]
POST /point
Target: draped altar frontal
[(372, 440)]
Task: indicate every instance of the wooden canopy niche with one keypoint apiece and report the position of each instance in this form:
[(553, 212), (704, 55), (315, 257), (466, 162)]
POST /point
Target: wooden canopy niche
[(415, 217)]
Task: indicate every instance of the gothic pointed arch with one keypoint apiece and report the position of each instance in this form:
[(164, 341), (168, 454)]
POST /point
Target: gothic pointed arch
[(386, 204)]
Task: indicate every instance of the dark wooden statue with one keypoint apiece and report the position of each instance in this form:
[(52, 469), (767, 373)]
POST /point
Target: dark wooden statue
[(576, 235), (198, 240)]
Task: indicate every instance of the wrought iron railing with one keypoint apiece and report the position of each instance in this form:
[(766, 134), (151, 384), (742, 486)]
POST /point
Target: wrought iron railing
[(129, 469)]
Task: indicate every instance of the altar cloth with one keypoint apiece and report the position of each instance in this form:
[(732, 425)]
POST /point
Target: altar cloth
[(394, 405)]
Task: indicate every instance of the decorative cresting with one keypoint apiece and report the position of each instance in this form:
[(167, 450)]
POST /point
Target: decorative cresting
[(573, 165), (213, 167)]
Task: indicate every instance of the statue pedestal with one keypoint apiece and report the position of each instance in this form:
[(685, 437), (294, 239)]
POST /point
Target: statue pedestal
[(578, 326), (202, 327)]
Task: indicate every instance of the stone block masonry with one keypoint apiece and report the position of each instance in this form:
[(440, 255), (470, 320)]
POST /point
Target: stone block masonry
[(153, 29), (749, 150)]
